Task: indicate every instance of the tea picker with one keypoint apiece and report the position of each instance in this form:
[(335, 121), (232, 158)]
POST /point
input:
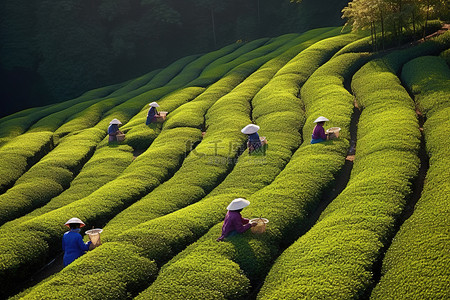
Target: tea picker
[(320, 135), (72, 242), (115, 135), (153, 116), (254, 141), (234, 223)]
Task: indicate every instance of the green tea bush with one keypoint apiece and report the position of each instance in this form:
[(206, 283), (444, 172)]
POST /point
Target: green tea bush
[(233, 185), (446, 56), (16, 126), (335, 258), (123, 263), (50, 176), (285, 202), (124, 104), (105, 165), (233, 102), (416, 263), (20, 154), (210, 161), (195, 68), (146, 172)]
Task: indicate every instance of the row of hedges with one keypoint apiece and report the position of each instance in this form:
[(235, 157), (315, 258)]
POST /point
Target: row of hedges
[(146, 172), (212, 158), (417, 263), (50, 176), (20, 154), (99, 108), (163, 149), (244, 259), (14, 126), (237, 181), (128, 101), (244, 161), (40, 136), (335, 258), (105, 165)]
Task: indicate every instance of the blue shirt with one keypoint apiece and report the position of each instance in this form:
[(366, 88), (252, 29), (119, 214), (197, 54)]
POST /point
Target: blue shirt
[(152, 112), (73, 246), (254, 137), (113, 128)]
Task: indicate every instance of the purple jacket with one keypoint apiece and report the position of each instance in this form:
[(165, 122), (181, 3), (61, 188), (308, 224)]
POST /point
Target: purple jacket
[(234, 222), (319, 133)]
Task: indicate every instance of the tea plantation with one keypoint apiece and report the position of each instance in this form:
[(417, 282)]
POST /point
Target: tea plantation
[(161, 194)]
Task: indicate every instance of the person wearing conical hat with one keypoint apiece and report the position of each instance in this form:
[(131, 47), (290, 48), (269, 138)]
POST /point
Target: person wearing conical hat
[(254, 142), (234, 223), (152, 113), (72, 242), (319, 134), (113, 130)]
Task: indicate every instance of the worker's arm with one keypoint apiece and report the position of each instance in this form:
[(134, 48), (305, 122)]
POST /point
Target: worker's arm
[(241, 226), (82, 245)]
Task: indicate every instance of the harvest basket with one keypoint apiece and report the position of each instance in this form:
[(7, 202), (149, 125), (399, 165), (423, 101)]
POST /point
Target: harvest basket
[(161, 117), (120, 137), (260, 225), (333, 132), (94, 236)]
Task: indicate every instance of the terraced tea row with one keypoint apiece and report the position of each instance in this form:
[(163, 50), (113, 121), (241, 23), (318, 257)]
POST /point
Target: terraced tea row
[(208, 269), (217, 128), (337, 255), (41, 252), (419, 255)]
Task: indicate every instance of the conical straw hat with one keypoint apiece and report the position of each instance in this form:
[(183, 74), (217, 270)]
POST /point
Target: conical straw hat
[(115, 121), (74, 221), (238, 203), (250, 129), (321, 119), (154, 104)]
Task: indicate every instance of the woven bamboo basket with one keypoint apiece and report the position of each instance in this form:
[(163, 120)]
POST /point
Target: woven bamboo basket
[(260, 225), (94, 236)]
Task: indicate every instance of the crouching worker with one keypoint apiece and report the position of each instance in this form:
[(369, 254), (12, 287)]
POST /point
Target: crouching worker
[(319, 134), (152, 113), (254, 142), (113, 130), (72, 242), (234, 223)]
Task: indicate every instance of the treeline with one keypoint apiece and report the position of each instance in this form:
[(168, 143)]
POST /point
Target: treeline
[(53, 50), (399, 18)]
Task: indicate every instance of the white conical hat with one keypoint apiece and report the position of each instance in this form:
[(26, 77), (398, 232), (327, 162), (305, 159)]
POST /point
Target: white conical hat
[(321, 119), (250, 129), (74, 221), (115, 121), (238, 203), (154, 104)]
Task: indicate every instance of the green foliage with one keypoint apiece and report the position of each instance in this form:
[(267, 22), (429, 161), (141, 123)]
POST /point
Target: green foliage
[(338, 253), (105, 165), (198, 174), (285, 202), (418, 256), (446, 55), (18, 125), (166, 199), (119, 262), (20, 154), (50, 176), (432, 81)]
